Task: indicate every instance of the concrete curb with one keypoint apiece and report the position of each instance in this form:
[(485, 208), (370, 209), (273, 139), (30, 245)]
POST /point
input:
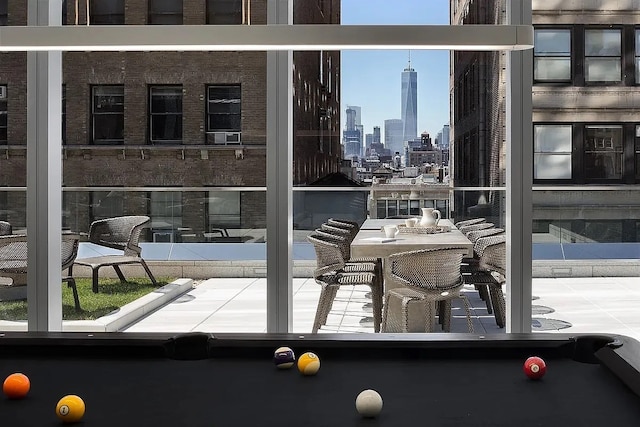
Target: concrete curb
[(119, 319)]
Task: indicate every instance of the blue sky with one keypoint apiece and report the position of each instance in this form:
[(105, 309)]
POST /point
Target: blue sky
[(371, 79)]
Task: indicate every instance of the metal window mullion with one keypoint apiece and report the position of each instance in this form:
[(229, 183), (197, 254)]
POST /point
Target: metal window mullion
[(279, 176), (519, 176), (44, 176)]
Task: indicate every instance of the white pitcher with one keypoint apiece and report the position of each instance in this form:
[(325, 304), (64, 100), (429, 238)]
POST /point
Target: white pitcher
[(430, 217)]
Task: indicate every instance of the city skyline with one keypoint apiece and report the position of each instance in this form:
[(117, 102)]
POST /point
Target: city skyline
[(372, 79)]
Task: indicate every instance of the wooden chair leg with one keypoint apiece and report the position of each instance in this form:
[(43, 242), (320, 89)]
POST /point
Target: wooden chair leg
[(119, 273), (146, 268)]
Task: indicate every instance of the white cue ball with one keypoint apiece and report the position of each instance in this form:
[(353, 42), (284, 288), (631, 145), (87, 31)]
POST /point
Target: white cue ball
[(369, 403)]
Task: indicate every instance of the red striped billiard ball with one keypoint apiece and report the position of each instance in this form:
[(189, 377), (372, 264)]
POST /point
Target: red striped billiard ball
[(534, 367)]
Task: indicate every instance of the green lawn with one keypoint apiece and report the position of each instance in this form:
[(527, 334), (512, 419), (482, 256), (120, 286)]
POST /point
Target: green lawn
[(111, 296)]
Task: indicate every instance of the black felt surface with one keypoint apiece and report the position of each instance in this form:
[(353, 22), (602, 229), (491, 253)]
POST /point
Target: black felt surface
[(251, 391)]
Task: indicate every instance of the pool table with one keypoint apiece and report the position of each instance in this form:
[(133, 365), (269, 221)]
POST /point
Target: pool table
[(231, 380)]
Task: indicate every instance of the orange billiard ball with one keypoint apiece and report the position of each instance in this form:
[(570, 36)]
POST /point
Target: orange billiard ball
[(16, 386)]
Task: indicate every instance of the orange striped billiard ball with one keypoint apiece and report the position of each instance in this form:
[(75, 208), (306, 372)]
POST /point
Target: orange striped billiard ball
[(16, 386), (309, 363)]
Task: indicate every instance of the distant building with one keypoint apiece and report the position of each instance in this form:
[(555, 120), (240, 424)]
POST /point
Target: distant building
[(393, 135), (409, 108)]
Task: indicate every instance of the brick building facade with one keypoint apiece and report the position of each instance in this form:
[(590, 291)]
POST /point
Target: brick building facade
[(173, 119)]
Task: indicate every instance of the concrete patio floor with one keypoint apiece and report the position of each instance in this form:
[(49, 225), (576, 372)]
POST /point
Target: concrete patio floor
[(568, 305)]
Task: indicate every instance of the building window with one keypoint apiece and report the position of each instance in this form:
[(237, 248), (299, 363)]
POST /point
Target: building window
[(165, 108), (4, 13), (603, 60), (637, 151), (224, 12), (637, 57), (64, 114), (552, 53), (165, 12), (603, 154), (224, 108), (552, 152), (106, 12), (3, 114), (166, 211), (107, 115)]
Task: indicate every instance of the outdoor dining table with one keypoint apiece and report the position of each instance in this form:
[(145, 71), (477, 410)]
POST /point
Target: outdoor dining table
[(371, 242)]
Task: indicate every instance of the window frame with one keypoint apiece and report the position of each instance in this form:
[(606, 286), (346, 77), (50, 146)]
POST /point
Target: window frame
[(107, 18), (587, 149), (210, 114), (152, 115), (95, 115), (563, 153), (620, 57), (636, 62), (4, 110), (570, 56), (4, 14), (179, 16), (211, 14)]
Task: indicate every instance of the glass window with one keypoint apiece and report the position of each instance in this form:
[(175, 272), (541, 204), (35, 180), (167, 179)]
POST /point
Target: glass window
[(552, 152), (224, 12), (637, 56), (106, 12), (106, 204), (603, 49), (165, 107), (603, 152), (108, 115), (552, 54), (165, 12), (3, 114), (64, 114), (4, 12), (166, 214), (224, 108), (224, 213)]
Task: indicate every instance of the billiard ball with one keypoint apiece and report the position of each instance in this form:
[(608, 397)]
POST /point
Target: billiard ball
[(369, 403), (16, 386), (534, 367), (309, 364), (284, 358), (70, 409)]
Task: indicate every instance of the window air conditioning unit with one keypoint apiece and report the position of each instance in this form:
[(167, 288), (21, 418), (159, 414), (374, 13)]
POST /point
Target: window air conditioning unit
[(226, 138), (3, 92)]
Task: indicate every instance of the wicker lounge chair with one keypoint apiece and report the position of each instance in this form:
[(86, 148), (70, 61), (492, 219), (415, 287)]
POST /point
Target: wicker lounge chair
[(121, 233), (332, 272), (13, 260), (429, 277)]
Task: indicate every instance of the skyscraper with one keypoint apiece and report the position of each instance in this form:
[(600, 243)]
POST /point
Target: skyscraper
[(393, 135), (409, 103)]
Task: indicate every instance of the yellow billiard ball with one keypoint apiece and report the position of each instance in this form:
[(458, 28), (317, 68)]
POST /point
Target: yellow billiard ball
[(309, 364), (70, 409)]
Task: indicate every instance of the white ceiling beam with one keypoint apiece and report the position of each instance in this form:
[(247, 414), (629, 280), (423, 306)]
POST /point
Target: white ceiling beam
[(265, 37)]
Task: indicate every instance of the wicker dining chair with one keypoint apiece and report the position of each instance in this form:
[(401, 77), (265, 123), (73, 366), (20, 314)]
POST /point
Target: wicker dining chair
[(471, 221), (430, 277), (475, 227), (360, 265), (471, 265), (5, 228), (331, 274), (349, 234), (122, 233), (490, 274)]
